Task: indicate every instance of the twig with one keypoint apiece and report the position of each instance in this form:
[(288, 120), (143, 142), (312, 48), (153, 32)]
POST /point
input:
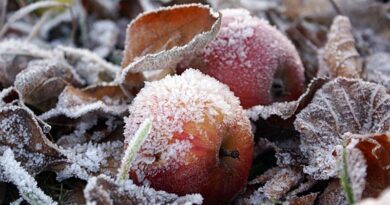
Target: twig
[(3, 11), (336, 7), (37, 27), (28, 9)]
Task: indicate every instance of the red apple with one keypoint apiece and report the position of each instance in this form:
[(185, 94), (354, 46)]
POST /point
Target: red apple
[(200, 141), (257, 62)]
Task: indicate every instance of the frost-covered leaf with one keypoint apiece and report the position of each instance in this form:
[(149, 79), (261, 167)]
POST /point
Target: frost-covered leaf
[(279, 181), (9, 95), (340, 106), (44, 80), (308, 199), (153, 44), (333, 194), (15, 56), (100, 99), (368, 164), (339, 57), (26, 184), (103, 190), (90, 159), (377, 68), (20, 131), (103, 37), (285, 110), (89, 66)]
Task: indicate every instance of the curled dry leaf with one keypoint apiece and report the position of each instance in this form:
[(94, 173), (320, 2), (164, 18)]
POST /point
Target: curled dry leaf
[(340, 106), (44, 80), (15, 56), (368, 164), (104, 98), (153, 44), (339, 57), (285, 110), (20, 131), (103, 190)]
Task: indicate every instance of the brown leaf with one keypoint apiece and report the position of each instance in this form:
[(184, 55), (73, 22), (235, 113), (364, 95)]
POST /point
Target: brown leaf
[(15, 56), (44, 80), (369, 174), (100, 99), (340, 106), (103, 190), (304, 200), (285, 110), (333, 194), (339, 57), (20, 131), (154, 44)]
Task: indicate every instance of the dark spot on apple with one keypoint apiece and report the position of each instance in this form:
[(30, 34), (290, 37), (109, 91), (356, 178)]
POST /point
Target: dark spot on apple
[(235, 154), (277, 89)]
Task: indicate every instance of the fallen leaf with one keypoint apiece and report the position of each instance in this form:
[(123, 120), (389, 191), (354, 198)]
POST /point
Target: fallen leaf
[(368, 164), (340, 106), (44, 80), (103, 190), (339, 57), (153, 44), (20, 131), (100, 99), (15, 56), (333, 194), (383, 199)]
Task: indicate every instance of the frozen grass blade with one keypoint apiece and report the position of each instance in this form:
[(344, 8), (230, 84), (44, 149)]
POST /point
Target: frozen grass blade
[(28, 9), (344, 178), (132, 149), (25, 183)]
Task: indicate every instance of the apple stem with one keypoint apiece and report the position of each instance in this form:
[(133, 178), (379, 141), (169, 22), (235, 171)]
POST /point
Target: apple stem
[(235, 154)]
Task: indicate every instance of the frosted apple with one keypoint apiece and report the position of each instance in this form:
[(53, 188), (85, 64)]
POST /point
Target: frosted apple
[(257, 62), (200, 140)]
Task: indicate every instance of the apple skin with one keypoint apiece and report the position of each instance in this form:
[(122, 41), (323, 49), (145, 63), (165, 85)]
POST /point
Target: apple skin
[(257, 62), (202, 167)]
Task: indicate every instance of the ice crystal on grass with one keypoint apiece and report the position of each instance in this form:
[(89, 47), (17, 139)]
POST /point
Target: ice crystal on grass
[(340, 106), (151, 44), (101, 99), (26, 184), (104, 190)]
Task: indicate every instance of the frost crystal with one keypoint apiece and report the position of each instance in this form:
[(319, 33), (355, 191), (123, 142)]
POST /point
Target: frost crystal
[(104, 190), (170, 103), (340, 106), (25, 183)]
